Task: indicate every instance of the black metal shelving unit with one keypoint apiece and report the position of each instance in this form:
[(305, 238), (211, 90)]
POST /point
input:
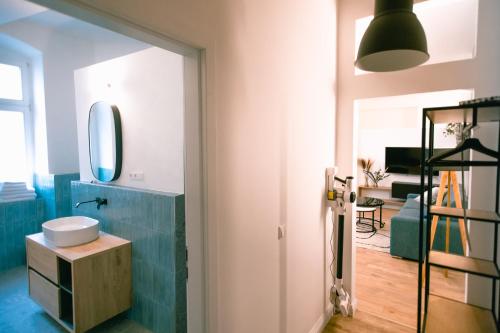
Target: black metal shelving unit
[(436, 313)]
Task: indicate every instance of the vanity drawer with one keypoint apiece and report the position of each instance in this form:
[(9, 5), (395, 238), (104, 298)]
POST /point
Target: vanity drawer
[(42, 260), (45, 293)]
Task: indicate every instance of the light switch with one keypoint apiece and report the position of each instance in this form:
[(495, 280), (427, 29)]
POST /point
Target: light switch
[(281, 231), (136, 175)]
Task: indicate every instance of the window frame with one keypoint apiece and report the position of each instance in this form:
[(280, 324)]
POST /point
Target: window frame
[(24, 106)]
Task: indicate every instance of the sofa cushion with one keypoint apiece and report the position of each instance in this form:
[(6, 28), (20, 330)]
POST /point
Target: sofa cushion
[(453, 203), (434, 194), (404, 237), (409, 212), (404, 232), (412, 204), (411, 208)]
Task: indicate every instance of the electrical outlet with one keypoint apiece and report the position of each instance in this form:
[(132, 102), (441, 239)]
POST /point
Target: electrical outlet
[(136, 175)]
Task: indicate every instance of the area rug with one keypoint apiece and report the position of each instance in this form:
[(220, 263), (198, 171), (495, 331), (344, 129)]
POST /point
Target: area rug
[(378, 240)]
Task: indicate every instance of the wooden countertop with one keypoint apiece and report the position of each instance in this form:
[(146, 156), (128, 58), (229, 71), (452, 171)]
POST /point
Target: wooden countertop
[(103, 243)]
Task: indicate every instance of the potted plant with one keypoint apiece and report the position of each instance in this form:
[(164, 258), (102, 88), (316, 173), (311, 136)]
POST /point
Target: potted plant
[(377, 176), (456, 129)]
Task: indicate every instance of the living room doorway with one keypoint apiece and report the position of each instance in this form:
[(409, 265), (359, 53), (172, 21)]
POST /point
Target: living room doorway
[(387, 132)]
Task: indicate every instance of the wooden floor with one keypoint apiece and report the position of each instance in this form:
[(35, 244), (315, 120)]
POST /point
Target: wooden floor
[(387, 293)]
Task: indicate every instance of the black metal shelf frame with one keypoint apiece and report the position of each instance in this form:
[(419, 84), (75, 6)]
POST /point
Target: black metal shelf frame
[(489, 269), (469, 115)]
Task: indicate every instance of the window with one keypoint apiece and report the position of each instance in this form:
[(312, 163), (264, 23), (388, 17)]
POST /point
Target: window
[(11, 82), (12, 146), (15, 122)]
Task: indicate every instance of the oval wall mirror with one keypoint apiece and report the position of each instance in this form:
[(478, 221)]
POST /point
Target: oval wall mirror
[(105, 141)]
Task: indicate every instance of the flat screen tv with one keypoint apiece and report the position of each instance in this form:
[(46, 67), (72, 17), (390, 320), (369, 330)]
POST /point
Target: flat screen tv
[(405, 160)]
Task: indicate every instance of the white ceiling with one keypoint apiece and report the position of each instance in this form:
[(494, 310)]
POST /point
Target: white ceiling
[(24, 11), (70, 26), (12, 10)]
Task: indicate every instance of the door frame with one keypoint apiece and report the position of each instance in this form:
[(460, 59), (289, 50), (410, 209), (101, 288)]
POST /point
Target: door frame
[(201, 316)]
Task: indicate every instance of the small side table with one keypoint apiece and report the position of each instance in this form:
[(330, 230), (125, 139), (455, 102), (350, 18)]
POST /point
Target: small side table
[(365, 202), (361, 216)]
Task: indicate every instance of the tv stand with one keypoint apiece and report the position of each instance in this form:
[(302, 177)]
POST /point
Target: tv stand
[(380, 192), (401, 190)]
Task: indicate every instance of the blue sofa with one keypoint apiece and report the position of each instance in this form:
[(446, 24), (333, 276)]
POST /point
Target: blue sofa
[(404, 231)]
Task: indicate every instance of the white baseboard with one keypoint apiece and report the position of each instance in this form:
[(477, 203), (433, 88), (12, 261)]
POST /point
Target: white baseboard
[(322, 320), (354, 306)]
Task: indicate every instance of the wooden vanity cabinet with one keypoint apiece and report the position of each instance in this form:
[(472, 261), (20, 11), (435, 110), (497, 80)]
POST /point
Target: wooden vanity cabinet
[(80, 286)]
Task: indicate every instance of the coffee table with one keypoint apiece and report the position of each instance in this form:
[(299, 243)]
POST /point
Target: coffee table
[(368, 202)]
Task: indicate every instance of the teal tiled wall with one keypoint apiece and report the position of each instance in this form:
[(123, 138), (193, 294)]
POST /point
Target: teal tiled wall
[(18, 219), (62, 186), (155, 223), (44, 187), (55, 191), (21, 218)]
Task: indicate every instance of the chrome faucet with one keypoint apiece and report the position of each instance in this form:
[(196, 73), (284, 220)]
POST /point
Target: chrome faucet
[(99, 201)]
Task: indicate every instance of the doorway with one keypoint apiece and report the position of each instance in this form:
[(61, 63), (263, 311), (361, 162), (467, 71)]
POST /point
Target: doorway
[(388, 129), (193, 154)]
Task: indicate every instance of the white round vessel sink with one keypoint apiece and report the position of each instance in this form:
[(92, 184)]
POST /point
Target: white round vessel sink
[(71, 231)]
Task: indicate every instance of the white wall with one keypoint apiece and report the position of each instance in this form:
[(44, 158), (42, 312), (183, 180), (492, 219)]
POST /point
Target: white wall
[(482, 234), (147, 88), (480, 73), (274, 90), (269, 69), (62, 53)]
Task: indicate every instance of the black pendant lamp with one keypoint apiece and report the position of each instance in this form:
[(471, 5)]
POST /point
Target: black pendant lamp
[(394, 40)]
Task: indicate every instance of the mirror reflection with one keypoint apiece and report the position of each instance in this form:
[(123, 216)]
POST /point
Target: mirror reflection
[(105, 144)]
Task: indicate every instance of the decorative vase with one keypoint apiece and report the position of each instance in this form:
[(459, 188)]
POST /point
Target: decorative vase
[(367, 183)]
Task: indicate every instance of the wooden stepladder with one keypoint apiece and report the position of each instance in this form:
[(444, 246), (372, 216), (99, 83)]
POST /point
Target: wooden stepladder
[(449, 181)]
